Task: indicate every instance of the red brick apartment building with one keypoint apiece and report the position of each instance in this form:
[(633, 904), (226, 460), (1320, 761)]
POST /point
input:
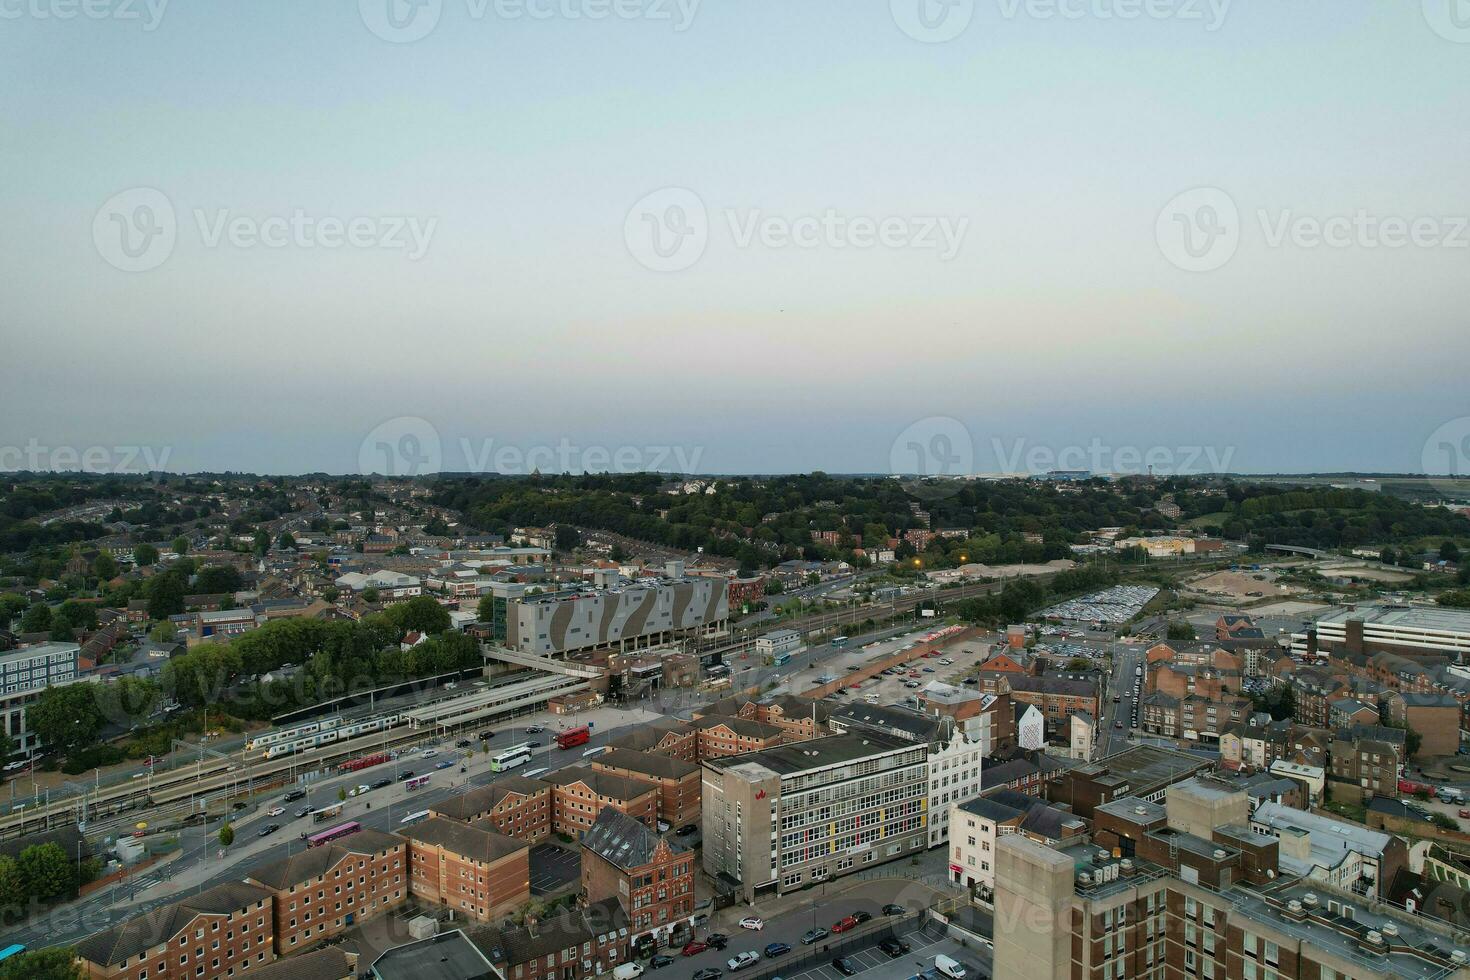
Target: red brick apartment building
[(573, 944), (472, 869), (220, 932), (722, 735), (323, 891), (516, 806), (579, 793), (667, 736), (678, 782), (652, 877)]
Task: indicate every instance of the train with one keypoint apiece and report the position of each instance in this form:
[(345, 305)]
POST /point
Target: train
[(289, 741)]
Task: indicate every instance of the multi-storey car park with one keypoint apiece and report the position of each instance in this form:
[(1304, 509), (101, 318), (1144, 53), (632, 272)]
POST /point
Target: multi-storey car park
[(1404, 630)]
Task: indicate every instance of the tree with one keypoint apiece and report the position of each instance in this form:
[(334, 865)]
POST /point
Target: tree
[(370, 595), (1180, 631), (51, 963), (616, 554), (567, 537), (105, 567), (287, 540), (485, 611), (341, 794), (226, 835), (145, 555), (181, 545), (216, 579), (7, 747), (1449, 551), (47, 872), (37, 619), (1079, 663), (164, 632), (166, 593), (11, 606), (77, 615), (13, 893), (331, 593), (67, 717), (262, 542)]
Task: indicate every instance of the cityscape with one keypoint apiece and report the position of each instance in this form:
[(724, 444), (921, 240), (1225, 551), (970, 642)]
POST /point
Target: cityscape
[(680, 490)]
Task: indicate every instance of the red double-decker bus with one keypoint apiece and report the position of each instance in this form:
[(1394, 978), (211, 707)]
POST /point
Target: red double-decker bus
[(353, 765), (573, 736)]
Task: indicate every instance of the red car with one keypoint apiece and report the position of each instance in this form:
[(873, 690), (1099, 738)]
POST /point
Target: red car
[(844, 924), (695, 947), (1464, 813)]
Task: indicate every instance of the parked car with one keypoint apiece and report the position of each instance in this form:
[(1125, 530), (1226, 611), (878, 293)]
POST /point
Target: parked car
[(694, 947), (843, 924), (717, 940), (894, 947), (777, 949), (687, 829), (753, 922), (708, 973), (844, 966), (813, 936), (660, 961), (891, 909), (862, 917), (268, 829), (405, 774), (741, 960), (385, 781)]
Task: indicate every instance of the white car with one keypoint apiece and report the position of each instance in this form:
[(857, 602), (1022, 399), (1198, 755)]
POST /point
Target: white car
[(359, 789), (741, 960), (430, 753), (752, 922), (275, 811)]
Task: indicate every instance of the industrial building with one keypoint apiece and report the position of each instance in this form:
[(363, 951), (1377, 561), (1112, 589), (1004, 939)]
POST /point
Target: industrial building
[(634, 616)]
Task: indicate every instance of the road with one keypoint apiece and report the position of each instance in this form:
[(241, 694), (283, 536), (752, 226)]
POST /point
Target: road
[(1110, 738)]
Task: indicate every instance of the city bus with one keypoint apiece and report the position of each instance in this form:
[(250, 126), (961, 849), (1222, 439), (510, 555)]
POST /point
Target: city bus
[(417, 782), (781, 659), (839, 641), (573, 736), (415, 817), (339, 831), (516, 755), (14, 949)]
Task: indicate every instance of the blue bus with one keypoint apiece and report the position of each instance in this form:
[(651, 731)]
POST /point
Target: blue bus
[(15, 949), (781, 659), (839, 641)]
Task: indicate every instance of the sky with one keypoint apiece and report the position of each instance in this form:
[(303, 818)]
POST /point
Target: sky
[(935, 236)]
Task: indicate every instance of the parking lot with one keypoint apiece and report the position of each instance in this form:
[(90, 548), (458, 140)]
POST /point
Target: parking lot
[(552, 868), (871, 963)]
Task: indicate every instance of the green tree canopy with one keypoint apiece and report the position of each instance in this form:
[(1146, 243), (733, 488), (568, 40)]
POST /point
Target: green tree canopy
[(37, 619), (48, 872), (67, 717), (226, 835), (51, 963), (166, 592), (145, 555), (104, 566)]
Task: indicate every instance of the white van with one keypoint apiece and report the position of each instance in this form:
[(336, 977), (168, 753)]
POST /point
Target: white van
[(951, 968), (627, 971), (598, 750)]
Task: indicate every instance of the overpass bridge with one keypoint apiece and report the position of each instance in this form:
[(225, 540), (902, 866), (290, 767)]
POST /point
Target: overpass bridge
[(568, 667), (1291, 549)]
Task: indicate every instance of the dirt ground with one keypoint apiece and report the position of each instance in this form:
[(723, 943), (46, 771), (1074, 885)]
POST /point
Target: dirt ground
[(1239, 585), (1368, 572)]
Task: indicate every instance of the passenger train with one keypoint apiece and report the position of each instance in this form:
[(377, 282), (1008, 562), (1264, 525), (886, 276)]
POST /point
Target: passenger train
[(289, 741)]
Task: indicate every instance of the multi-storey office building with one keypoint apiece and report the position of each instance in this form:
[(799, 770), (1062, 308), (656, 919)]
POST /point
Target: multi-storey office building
[(1409, 631), (24, 674), (784, 817), (629, 617)]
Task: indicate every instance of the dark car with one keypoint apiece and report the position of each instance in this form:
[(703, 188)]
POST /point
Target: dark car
[(385, 781), (533, 743), (894, 910), (894, 947), (717, 940), (534, 729), (813, 936), (294, 795), (694, 947), (303, 811), (405, 774), (687, 829), (777, 949), (268, 829), (862, 917), (486, 736), (463, 743), (708, 973), (844, 966), (661, 960)]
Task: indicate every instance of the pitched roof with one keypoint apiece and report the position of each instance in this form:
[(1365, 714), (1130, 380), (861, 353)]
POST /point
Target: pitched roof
[(740, 726), (606, 784), (143, 932), (622, 840), (563, 930), (653, 763), (476, 841), (322, 964), (483, 798), (316, 861)]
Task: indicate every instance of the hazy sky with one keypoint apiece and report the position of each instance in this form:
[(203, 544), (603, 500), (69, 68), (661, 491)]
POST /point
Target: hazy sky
[(273, 235)]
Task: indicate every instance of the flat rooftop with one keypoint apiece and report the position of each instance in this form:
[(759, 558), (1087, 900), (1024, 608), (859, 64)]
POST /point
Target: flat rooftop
[(1403, 617), (816, 753), (1147, 767)]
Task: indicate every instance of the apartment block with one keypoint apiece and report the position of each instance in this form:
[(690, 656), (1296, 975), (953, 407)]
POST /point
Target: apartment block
[(652, 877), (514, 805), (221, 932), (578, 794), (677, 781), (471, 869)]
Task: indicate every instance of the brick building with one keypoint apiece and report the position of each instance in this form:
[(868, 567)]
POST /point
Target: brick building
[(1056, 699), (514, 805), (666, 736), (578, 794), (323, 891), (221, 931), (472, 869), (652, 877), (572, 944), (721, 735), (1436, 717), (1367, 758), (677, 781)]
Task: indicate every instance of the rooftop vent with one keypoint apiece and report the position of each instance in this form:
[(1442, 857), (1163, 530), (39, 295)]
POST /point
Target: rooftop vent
[(1219, 854), (1390, 929), (1457, 956), (1084, 879), (1310, 900)]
